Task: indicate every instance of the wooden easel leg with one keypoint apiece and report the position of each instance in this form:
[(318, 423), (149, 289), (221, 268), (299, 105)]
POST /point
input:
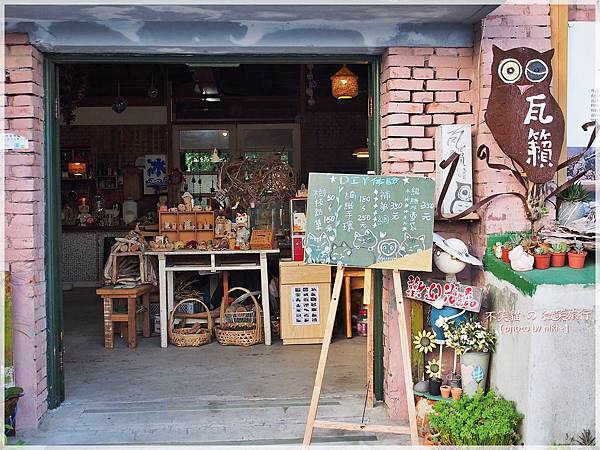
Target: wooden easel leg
[(368, 301), (314, 402), (406, 362)]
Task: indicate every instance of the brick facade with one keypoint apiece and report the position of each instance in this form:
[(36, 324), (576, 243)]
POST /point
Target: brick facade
[(24, 221)]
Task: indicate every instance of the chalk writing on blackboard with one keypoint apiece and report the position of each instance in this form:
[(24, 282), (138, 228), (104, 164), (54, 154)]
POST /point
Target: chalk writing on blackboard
[(370, 221)]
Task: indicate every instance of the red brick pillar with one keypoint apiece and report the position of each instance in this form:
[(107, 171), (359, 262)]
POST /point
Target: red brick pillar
[(24, 222)]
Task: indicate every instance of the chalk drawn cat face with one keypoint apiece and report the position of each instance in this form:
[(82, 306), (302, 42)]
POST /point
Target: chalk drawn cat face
[(317, 248), (412, 244), (388, 248), (340, 253), (366, 240)]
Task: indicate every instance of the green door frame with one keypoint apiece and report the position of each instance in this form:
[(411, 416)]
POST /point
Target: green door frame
[(54, 298)]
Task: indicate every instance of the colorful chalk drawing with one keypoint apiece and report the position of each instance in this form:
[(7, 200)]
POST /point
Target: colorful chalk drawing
[(369, 221)]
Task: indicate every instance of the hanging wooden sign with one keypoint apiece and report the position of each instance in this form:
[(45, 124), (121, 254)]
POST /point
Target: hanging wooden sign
[(444, 293), (450, 139), (523, 116)]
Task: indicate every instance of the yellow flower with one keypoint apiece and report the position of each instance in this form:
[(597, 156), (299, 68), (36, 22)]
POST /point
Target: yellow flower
[(434, 369), (424, 341)]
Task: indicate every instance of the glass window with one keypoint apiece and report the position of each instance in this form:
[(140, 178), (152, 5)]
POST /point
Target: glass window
[(203, 139)]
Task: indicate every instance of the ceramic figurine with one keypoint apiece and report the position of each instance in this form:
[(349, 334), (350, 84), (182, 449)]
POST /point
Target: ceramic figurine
[(162, 203), (242, 234), (202, 245), (220, 226), (173, 209), (520, 261), (187, 201), (497, 248), (198, 208), (181, 207)]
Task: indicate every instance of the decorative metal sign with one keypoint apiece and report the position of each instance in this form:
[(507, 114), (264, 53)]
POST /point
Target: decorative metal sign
[(444, 293), (523, 116)]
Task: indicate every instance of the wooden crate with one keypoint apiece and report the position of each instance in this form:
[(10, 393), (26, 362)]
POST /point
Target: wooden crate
[(297, 275), (262, 240)]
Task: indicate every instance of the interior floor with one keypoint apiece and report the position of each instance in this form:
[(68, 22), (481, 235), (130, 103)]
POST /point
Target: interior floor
[(209, 395)]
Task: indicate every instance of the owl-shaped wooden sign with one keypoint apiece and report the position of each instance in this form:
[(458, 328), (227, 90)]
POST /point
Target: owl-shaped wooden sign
[(522, 114)]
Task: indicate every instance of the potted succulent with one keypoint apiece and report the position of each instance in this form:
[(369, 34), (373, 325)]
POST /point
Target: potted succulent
[(514, 239), (558, 254), (481, 419), (577, 256), (573, 203), (542, 257), (473, 343)]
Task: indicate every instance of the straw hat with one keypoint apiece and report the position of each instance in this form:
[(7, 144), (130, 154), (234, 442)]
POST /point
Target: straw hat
[(456, 248)]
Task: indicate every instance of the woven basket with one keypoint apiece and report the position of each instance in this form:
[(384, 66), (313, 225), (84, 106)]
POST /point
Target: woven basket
[(243, 334), (185, 337)]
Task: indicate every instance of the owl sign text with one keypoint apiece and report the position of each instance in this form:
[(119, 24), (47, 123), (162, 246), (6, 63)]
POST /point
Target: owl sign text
[(522, 114)]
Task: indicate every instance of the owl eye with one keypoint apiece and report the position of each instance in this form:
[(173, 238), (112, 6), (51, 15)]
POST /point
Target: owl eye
[(536, 70), (509, 70)]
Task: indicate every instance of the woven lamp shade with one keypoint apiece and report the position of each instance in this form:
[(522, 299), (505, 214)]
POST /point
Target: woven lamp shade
[(344, 84)]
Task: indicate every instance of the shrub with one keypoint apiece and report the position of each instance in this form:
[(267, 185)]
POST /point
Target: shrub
[(483, 419)]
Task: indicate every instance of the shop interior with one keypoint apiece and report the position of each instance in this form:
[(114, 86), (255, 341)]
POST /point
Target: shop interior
[(142, 145)]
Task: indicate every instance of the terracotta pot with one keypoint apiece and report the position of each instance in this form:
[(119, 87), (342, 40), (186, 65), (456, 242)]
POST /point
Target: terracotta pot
[(445, 390), (505, 257), (558, 259), (456, 393), (542, 261), (577, 260), (428, 439)]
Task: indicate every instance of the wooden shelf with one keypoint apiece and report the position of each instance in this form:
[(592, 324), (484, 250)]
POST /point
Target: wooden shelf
[(197, 218)]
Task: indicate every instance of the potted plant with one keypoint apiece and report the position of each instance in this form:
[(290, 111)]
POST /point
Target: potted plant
[(434, 370), (558, 253), (473, 343), (577, 256), (542, 257), (513, 240), (445, 390), (573, 203), (456, 393), (481, 419)]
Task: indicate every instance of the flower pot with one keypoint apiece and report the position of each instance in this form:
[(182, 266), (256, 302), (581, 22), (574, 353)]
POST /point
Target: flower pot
[(542, 262), (434, 386), (428, 439), (577, 260), (474, 371), (505, 257), (445, 391), (558, 259), (456, 393), (453, 380)]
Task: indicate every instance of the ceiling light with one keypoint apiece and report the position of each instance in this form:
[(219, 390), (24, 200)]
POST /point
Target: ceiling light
[(344, 84), (362, 152)]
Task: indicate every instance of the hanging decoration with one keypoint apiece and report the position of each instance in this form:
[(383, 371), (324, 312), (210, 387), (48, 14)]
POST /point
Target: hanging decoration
[(73, 87), (152, 90), (344, 84), (249, 181), (311, 85), (434, 368), (424, 341), (120, 104)]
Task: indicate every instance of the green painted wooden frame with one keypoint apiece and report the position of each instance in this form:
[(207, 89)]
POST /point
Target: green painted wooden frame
[(54, 295)]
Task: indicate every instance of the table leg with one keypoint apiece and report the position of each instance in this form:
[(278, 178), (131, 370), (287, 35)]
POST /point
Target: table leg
[(264, 293), (348, 299), (131, 322), (108, 323), (162, 290), (146, 314), (225, 287)]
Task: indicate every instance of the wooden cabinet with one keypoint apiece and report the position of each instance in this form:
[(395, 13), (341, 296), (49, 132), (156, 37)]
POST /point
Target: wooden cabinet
[(305, 293), (187, 226)]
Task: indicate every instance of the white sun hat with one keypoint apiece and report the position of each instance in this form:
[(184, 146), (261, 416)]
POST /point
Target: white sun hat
[(456, 248)]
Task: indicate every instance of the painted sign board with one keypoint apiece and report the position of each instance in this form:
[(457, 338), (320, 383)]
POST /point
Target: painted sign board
[(13, 141), (444, 293), (156, 177), (451, 139), (372, 221)]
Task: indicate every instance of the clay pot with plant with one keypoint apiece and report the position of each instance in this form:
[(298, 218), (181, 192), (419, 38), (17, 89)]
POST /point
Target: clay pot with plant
[(514, 239), (558, 254), (431, 439), (445, 391), (577, 256), (573, 203), (542, 257)]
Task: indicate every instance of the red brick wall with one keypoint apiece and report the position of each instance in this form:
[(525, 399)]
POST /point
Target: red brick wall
[(24, 222)]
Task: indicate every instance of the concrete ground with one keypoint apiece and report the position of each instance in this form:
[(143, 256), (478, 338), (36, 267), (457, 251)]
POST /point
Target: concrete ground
[(211, 395)]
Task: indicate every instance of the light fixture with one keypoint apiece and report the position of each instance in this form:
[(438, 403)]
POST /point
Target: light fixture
[(344, 84), (120, 104), (362, 152), (152, 90), (77, 168)]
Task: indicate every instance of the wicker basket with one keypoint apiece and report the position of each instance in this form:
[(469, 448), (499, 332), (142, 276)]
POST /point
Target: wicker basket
[(243, 334), (186, 337)]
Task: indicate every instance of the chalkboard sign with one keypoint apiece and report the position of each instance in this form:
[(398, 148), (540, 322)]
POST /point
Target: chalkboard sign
[(379, 222)]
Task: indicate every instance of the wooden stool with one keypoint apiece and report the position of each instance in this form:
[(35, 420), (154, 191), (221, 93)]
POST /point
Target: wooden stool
[(353, 279), (110, 293)]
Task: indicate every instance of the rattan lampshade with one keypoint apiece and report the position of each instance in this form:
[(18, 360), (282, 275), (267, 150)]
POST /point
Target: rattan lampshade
[(344, 84)]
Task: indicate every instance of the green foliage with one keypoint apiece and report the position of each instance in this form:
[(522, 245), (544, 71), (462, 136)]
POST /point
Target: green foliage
[(561, 247), (513, 240), (541, 250), (578, 247), (586, 437), (469, 336), (483, 419), (574, 193), (12, 392)]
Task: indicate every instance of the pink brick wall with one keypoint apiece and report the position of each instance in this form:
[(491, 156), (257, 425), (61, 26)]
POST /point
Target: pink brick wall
[(424, 87), (582, 13), (24, 222)]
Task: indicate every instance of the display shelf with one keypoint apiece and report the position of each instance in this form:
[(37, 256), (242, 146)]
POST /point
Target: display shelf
[(171, 225)]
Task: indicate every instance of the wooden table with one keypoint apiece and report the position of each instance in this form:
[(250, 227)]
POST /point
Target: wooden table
[(110, 293), (210, 261)]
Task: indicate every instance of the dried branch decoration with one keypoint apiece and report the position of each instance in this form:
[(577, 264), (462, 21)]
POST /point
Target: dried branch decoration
[(249, 181)]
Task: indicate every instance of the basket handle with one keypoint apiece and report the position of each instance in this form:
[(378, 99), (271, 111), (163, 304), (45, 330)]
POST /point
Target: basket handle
[(208, 316), (259, 327)]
